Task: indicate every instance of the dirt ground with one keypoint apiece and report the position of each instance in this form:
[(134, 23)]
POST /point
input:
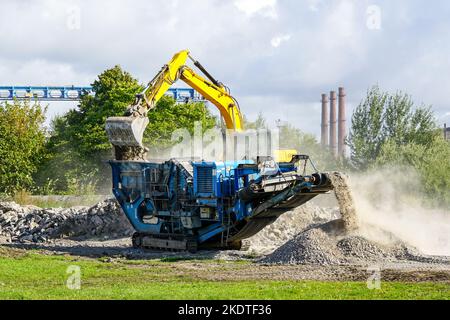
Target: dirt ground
[(187, 263)]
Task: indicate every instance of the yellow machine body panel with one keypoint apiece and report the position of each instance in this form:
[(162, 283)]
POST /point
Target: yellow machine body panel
[(284, 155)]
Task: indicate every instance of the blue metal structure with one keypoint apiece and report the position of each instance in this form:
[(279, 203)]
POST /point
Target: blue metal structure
[(72, 93), (67, 93), (180, 204)]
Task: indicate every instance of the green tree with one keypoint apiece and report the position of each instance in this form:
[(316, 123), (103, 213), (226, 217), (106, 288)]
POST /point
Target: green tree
[(22, 144), (389, 130), (383, 117), (430, 160), (84, 127), (78, 144)]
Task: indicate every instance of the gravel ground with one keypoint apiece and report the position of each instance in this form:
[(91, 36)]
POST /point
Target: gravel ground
[(120, 249), (312, 242)]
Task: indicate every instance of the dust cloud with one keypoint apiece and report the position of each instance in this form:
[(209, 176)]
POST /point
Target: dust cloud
[(390, 204)]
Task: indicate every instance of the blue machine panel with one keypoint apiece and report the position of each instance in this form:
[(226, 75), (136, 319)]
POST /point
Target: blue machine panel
[(215, 179), (205, 180)]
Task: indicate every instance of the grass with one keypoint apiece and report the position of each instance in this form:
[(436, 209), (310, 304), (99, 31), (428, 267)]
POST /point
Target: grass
[(31, 275), (54, 201)]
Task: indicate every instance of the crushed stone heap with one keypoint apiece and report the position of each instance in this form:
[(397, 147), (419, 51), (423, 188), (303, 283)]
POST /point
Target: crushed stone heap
[(34, 224), (317, 247), (288, 225)]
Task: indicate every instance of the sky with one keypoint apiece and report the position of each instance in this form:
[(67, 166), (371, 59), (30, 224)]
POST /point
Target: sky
[(277, 56)]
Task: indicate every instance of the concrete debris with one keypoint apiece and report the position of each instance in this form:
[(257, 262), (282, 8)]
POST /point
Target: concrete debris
[(33, 224)]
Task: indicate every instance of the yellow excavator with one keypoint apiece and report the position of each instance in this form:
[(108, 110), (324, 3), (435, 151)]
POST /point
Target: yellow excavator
[(126, 133)]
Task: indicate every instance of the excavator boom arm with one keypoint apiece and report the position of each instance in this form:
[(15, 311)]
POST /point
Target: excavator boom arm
[(129, 130), (168, 75), (218, 96), (210, 89)]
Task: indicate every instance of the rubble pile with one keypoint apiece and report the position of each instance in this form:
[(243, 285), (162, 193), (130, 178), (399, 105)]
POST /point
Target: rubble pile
[(33, 224)]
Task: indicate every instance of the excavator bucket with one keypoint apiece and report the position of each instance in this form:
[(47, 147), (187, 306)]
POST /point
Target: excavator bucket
[(126, 131)]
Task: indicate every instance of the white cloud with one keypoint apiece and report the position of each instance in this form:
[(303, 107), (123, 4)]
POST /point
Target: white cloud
[(240, 43), (40, 72), (276, 41), (314, 5), (266, 8)]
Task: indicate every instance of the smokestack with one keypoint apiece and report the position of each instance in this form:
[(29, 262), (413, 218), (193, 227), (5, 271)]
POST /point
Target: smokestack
[(341, 123), (333, 147), (324, 137)]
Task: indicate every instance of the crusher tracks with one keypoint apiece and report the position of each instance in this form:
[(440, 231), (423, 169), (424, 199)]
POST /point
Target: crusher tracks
[(179, 244)]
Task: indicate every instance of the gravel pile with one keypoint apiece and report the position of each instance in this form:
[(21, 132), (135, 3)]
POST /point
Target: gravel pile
[(309, 247), (337, 241), (315, 246), (288, 225), (357, 247), (331, 220), (33, 224)]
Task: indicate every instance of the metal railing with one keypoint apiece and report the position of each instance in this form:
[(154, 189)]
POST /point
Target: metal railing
[(72, 93)]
